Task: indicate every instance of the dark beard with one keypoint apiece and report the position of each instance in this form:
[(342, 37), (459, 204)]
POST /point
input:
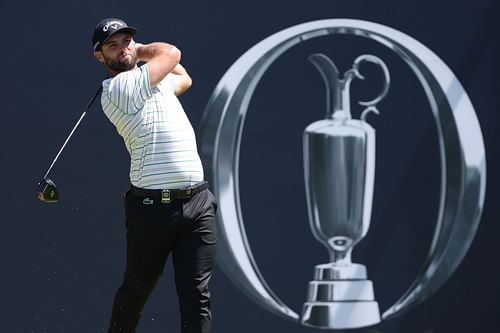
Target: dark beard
[(120, 66)]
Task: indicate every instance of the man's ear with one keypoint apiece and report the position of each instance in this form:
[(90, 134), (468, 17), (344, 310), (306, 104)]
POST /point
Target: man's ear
[(98, 56)]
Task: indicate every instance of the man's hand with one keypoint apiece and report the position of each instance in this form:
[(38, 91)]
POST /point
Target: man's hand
[(137, 46)]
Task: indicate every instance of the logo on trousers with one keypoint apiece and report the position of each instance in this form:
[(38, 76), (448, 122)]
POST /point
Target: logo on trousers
[(340, 296)]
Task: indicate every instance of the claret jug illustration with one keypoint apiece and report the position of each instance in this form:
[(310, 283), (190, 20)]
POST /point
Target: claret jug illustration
[(339, 170)]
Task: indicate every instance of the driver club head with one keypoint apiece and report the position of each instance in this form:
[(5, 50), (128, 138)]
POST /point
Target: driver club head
[(47, 191)]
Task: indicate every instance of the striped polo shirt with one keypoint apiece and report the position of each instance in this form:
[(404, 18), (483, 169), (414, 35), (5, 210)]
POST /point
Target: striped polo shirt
[(156, 131)]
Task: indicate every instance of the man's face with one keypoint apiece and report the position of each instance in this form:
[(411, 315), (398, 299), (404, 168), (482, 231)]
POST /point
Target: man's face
[(118, 53)]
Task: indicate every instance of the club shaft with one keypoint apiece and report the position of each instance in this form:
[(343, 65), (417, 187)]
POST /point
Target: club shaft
[(65, 142), (73, 130)]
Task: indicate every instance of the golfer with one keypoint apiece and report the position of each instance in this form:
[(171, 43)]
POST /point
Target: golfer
[(168, 209)]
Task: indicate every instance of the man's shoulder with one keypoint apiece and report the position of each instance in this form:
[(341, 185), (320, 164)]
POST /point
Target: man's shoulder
[(127, 91)]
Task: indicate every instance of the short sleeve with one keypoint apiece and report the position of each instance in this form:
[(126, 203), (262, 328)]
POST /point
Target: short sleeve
[(129, 90)]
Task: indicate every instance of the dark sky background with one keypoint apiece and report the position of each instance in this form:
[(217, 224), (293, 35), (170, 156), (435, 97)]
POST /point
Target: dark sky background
[(61, 263)]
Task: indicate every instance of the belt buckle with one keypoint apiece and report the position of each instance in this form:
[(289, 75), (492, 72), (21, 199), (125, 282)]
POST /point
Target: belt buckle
[(165, 197)]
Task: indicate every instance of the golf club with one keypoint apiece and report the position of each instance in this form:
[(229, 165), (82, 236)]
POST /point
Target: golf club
[(46, 189)]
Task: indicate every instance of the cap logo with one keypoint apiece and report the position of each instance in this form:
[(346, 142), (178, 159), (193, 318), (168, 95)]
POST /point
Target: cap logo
[(111, 24)]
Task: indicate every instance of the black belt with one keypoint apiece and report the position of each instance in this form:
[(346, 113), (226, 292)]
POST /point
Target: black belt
[(167, 196)]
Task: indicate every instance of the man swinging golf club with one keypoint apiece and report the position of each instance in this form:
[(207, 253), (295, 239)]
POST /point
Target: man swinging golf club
[(168, 209)]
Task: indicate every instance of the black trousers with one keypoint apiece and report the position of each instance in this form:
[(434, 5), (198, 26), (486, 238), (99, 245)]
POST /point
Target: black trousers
[(184, 228)]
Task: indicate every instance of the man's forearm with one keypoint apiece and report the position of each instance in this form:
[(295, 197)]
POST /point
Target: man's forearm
[(146, 52), (179, 70)]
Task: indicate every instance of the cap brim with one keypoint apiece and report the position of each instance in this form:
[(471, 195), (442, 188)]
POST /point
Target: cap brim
[(130, 30)]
